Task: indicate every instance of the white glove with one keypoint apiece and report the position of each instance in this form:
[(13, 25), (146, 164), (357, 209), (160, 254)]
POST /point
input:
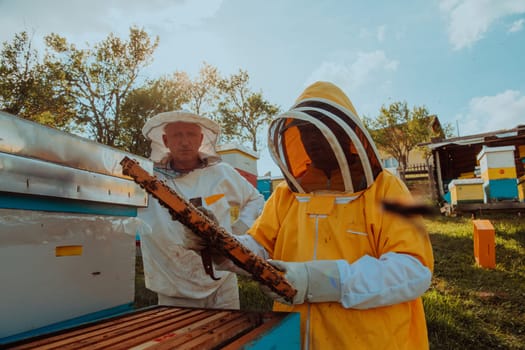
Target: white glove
[(239, 227), (209, 214), (223, 264), (192, 241), (315, 281)]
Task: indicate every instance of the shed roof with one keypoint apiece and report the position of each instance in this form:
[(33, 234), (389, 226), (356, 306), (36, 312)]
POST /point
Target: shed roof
[(518, 132)]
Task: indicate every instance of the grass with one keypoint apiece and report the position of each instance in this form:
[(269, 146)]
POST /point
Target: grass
[(466, 307), (143, 296), (469, 307)]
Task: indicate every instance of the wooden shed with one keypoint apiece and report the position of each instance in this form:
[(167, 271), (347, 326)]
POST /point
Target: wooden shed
[(456, 158)]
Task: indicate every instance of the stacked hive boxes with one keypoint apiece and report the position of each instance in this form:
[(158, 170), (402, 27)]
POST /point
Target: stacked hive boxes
[(242, 159), (498, 171), (67, 229)]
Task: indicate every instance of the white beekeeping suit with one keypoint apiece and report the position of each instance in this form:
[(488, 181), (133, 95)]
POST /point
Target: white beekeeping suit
[(175, 273)]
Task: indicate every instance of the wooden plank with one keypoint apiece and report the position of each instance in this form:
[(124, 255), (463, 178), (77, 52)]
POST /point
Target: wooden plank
[(211, 335), (86, 330), (174, 332), (130, 337), (159, 328), (115, 333), (495, 206)]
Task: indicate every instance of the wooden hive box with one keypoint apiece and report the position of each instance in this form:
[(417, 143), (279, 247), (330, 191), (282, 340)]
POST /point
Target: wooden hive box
[(167, 327), (466, 191)]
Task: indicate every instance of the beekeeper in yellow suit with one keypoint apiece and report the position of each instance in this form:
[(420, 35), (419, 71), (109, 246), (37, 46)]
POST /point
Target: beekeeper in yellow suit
[(359, 271)]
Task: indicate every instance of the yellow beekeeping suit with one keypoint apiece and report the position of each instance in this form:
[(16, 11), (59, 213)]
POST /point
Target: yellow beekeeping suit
[(336, 214)]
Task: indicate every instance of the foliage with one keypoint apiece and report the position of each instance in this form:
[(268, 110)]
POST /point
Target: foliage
[(203, 91), (143, 296), (156, 96), (96, 90), (243, 112), (27, 87), (100, 78), (176, 91), (251, 297), (398, 130), (447, 131)]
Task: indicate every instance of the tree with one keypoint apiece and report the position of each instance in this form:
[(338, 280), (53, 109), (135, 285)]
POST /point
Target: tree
[(203, 93), (445, 131), (27, 87), (156, 96), (165, 94), (243, 112), (398, 130), (100, 78)]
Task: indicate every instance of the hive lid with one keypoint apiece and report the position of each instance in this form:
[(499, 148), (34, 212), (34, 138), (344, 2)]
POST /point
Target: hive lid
[(456, 182), (25, 138), (486, 150)]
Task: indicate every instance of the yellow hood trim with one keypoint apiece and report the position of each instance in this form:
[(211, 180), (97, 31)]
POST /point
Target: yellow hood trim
[(328, 91)]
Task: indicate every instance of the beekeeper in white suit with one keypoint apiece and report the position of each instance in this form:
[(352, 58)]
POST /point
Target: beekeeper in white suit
[(183, 149)]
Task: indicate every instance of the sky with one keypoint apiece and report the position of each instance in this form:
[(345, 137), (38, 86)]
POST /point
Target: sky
[(464, 60)]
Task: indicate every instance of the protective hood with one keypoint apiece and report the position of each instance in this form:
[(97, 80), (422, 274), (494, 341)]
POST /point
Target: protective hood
[(321, 144), (154, 129)]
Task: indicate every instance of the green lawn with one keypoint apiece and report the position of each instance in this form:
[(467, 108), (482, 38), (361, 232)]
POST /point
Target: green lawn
[(467, 307)]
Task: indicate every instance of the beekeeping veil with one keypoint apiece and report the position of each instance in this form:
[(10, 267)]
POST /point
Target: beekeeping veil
[(154, 129), (348, 148)]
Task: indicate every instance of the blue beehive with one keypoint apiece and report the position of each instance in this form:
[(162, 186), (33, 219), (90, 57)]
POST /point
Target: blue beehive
[(498, 171), (264, 185)]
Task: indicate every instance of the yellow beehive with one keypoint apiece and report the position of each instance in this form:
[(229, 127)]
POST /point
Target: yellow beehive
[(499, 173), (484, 243), (276, 182), (521, 151), (497, 163), (521, 154), (242, 159), (521, 189), (468, 175), (466, 191)]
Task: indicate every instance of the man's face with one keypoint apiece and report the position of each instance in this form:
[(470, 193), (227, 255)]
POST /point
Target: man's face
[(183, 140)]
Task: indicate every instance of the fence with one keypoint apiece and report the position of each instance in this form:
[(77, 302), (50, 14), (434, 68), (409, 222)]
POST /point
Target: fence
[(415, 169)]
